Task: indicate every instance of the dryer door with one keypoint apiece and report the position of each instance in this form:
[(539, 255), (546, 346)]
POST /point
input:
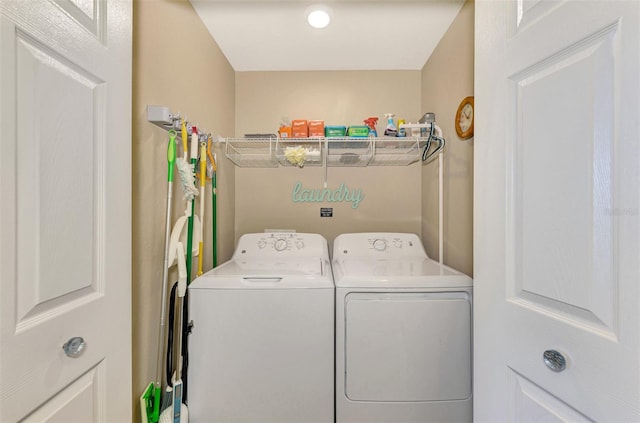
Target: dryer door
[(408, 346)]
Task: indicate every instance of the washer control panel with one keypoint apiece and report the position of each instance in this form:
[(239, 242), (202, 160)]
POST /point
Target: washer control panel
[(378, 245), (384, 243), (281, 244)]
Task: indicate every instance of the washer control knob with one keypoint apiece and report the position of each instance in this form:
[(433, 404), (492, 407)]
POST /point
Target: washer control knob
[(262, 243), (380, 244), (280, 244), (299, 244)]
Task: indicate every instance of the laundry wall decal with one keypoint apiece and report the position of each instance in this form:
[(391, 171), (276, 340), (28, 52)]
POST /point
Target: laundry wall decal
[(341, 194)]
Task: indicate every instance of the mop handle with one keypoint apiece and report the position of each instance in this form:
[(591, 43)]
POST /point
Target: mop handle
[(185, 136), (171, 159), (203, 182), (214, 189), (194, 158)]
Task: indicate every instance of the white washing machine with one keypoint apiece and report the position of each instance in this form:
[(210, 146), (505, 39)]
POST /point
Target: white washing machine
[(262, 346), (403, 332)]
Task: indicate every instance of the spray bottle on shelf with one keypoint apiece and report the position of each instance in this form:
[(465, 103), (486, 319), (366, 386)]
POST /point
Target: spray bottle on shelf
[(371, 123), (390, 130), (402, 132)]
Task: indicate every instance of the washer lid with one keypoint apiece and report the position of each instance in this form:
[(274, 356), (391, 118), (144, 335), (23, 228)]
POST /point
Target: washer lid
[(396, 273), (267, 274)]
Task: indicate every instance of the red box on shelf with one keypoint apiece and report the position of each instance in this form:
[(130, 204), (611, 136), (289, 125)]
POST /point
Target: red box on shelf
[(300, 129), (316, 128)]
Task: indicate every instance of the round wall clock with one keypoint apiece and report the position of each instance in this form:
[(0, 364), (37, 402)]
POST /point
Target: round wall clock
[(464, 118)]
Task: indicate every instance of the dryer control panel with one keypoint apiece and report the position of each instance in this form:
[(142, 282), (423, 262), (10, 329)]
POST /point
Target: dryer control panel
[(378, 244), (281, 244)]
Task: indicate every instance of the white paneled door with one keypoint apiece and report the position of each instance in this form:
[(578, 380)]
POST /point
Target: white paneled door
[(65, 210), (556, 246)]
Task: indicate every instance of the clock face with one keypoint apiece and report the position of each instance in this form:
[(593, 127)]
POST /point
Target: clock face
[(466, 117)]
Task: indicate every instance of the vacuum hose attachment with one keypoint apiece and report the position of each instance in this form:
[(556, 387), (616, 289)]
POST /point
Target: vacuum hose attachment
[(170, 323), (186, 331)]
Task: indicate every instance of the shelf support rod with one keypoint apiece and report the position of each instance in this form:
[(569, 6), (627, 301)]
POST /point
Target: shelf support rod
[(440, 208), (324, 160)]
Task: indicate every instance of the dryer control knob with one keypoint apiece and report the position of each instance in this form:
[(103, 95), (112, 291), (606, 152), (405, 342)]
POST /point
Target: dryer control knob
[(380, 244), (280, 244), (299, 244)]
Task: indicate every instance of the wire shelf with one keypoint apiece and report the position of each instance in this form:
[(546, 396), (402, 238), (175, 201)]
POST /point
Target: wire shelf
[(349, 151), (300, 152), (396, 151), (252, 152), (338, 152)]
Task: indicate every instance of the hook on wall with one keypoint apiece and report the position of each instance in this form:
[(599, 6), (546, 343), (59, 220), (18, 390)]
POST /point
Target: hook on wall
[(162, 117)]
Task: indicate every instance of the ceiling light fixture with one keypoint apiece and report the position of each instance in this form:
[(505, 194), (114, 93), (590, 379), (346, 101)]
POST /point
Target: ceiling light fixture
[(318, 16)]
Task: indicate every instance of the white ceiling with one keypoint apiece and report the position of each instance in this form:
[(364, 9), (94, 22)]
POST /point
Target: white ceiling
[(266, 35)]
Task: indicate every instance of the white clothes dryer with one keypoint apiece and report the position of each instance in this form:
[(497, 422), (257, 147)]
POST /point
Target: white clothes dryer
[(403, 332), (262, 346)]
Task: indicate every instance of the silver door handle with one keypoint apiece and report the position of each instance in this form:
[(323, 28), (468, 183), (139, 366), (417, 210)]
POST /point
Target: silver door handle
[(74, 346), (554, 360)]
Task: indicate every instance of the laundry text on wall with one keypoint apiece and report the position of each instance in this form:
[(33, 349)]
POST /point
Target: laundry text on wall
[(341, 194)]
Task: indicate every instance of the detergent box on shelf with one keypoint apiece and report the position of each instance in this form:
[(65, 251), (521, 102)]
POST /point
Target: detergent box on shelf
[(316, 128), (300, 128), (358, 131), (285, 132), (335, 131)]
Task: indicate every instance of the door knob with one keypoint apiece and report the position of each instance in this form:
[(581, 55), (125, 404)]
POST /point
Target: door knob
[(554, 360), (74, 346)]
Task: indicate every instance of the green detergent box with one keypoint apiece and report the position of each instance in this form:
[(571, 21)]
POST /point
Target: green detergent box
[(358, 131), (335, 131)]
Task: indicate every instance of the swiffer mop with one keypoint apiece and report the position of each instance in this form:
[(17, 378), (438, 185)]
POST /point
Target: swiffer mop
[(152, 396), (184, 169), (186, 173)]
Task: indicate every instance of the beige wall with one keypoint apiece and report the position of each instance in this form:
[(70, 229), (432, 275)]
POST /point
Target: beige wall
[(264, 196), (176, 64), (447, 78)]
